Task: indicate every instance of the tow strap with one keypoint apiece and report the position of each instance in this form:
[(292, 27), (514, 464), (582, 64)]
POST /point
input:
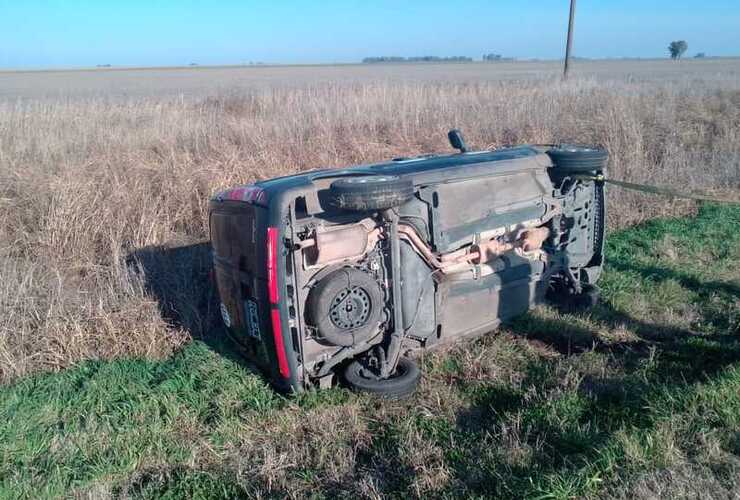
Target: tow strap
[(692, 195)]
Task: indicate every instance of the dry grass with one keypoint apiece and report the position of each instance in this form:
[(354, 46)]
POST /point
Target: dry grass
[(88, 182)]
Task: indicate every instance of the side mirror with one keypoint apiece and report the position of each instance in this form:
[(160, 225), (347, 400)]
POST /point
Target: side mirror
[(457, 141)]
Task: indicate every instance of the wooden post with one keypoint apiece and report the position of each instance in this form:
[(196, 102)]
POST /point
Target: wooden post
[(569, 43)]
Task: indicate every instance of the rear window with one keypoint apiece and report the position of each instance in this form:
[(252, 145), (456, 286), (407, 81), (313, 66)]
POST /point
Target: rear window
[(238, 236)]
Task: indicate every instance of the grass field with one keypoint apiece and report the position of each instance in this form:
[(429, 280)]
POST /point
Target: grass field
[(640, 398), (115, 377)]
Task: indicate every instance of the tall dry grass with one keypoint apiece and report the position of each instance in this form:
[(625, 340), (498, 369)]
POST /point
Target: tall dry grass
[(95, 192)]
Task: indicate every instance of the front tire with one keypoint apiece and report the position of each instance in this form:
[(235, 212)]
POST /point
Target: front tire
[(568, 301), (587, 299), (569, 158)]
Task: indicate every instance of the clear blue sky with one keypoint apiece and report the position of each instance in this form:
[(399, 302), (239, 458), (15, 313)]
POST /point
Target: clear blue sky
[(56, 33)]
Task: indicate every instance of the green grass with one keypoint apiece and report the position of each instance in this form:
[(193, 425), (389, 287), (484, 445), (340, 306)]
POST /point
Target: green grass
[(639, 397)]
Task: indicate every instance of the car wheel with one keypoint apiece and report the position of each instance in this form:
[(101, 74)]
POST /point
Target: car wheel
[(399, 385), (568, 158), (580, 302), (370, 192), (587, 299), (568, 301), (345, 307)]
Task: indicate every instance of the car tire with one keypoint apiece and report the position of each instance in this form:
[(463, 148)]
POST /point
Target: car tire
[(584, 301), (587, 299), (568, 158), (568, 301), (345, 307), (370, 192), (400, 385)]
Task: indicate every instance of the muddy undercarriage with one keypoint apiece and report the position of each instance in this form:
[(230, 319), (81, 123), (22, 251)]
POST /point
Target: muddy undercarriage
[(372, 264)]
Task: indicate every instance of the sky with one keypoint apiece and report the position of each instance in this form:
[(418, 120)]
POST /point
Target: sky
[(78, 33)]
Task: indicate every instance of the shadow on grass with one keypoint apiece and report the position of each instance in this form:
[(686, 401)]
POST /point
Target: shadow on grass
[(686, 280), (178, 278), (704, 290)]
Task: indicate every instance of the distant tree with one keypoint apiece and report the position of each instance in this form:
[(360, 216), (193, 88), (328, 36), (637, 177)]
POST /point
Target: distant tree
[(492, 57), (700, 55), (677, 48)]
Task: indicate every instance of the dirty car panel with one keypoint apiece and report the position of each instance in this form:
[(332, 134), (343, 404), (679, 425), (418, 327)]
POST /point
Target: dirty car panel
[(323, 270)]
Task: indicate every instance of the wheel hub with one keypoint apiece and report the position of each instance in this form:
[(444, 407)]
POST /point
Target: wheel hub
[(350, 308)]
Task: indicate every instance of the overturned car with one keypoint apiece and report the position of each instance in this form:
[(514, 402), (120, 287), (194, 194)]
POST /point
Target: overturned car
[(349, 272)]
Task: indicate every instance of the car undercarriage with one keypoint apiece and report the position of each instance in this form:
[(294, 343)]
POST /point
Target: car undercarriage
[(368, 265)]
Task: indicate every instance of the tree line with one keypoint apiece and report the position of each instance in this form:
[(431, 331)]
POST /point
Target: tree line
[(676, 49), (386, 59)]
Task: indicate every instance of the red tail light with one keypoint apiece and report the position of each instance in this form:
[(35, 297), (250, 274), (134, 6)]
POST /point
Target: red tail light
[(272, 251), (250, 194), (272, 289), (277, 332)]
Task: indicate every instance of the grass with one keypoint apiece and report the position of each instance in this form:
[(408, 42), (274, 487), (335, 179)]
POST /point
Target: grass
[(639, 398)]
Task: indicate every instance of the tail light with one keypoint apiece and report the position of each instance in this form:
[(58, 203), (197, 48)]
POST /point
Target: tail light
[(272, 289), (249, 194)]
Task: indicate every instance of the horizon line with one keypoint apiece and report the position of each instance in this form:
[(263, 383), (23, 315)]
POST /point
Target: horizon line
[(259, 64)]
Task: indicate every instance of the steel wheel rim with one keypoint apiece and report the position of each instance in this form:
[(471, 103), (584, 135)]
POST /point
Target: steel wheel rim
[(350, 308)]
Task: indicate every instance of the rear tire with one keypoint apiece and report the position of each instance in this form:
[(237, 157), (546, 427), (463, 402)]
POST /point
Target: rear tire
[(400, 385), (569, 158), (370, 192)]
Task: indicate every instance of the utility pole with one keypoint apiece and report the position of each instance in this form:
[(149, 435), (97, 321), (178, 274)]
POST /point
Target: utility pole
[(569, 43)]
